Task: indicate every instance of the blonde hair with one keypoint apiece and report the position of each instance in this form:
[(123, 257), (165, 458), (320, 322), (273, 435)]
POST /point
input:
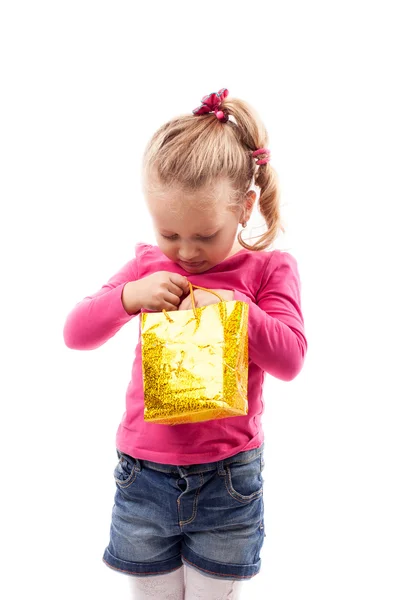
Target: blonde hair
[(194, 151)]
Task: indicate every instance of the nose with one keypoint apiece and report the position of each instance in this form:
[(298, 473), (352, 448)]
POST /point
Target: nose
[(188, 254)]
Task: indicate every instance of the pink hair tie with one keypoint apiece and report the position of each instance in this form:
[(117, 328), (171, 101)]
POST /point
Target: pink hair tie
[(212, 103), (265, 160)]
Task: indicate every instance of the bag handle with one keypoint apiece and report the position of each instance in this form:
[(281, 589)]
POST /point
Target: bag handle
[(191, 286)]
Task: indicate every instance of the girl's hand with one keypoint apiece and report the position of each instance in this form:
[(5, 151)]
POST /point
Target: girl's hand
[(155, 292), (202, 298)]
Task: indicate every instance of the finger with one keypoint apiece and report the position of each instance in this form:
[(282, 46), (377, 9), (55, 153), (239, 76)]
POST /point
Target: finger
[(171, 298), (169, 307), (179, 280), (187, 304), (184, 305), (175, 289)]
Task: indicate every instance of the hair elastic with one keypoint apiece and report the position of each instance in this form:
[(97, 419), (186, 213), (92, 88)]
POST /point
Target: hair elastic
[(212, 103)]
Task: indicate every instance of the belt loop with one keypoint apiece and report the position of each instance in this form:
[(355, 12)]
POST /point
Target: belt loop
[(138, 466), (221, 468)]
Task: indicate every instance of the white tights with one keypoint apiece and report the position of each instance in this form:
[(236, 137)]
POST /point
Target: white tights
[(183, 584)]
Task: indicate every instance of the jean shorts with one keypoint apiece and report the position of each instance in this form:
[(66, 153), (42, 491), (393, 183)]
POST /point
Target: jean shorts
[(209, 516)]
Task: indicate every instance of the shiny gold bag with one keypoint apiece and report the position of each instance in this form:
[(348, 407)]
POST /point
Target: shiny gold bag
[(195, 362)]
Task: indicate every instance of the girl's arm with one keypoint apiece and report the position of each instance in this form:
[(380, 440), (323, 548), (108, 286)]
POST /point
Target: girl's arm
[(277, 341), (98, 317)]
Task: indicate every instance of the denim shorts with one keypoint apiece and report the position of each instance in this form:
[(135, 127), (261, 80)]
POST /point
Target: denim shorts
[(209, 516)]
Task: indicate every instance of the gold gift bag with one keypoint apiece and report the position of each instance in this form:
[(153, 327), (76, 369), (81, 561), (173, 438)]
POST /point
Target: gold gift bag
[(195, 362)]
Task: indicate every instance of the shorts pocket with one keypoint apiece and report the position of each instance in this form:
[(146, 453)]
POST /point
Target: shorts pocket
[(126, 471), (244, 481)]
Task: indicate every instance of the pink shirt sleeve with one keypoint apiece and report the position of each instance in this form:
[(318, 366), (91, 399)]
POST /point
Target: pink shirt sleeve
[(98, 317), (277, 341)]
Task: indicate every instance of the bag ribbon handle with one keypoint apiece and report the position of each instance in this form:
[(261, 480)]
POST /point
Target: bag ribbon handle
[(191, 286)]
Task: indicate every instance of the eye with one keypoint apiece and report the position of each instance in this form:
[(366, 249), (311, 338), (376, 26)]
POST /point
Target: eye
[(210, 237), (174, 237)]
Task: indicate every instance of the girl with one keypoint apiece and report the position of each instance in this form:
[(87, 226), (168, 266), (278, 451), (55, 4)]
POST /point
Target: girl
[(187, 521)]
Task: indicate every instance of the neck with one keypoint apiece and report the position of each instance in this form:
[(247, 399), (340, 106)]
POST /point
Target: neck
[(235, 248)]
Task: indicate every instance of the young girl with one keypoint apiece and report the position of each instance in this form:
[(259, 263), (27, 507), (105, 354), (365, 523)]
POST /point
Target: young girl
[(187, 521)]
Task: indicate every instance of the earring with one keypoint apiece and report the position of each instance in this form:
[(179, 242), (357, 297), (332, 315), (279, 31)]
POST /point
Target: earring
[(244, 224)]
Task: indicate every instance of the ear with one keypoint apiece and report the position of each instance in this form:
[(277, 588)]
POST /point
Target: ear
[(250, 198)]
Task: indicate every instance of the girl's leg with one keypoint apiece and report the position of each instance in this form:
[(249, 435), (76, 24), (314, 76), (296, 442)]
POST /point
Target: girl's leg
[(158, 587), (202, 587)]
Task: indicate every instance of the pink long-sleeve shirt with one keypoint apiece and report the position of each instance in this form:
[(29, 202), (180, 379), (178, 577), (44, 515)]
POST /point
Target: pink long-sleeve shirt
[(269, 282)]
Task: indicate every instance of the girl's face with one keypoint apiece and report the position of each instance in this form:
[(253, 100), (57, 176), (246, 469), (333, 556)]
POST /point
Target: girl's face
[(196, 231)]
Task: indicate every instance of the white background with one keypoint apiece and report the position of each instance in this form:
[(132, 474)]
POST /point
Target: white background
[(84, 84)]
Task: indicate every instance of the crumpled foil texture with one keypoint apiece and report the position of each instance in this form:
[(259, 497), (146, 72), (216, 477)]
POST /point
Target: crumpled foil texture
[(195, 363)]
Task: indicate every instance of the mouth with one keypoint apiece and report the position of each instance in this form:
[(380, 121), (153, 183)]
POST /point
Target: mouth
[(191, 265)]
